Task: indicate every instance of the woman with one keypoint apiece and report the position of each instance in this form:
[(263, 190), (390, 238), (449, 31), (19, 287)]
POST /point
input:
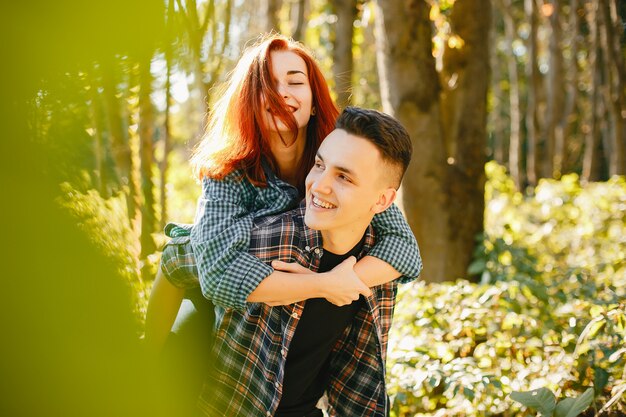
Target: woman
[(272, 114)]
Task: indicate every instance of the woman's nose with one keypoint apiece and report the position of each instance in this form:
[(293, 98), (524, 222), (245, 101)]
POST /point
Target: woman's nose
[(283, 91)]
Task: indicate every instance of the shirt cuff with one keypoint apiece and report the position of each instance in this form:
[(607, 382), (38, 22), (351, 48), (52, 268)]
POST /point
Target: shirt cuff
[(238, 282), (178, 263), (410, 266)]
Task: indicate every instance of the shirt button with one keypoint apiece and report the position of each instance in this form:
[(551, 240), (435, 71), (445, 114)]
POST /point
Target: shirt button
[(294, 315), (307, 248), (277, 384), (317, 251), (283, 352), (268, 414)]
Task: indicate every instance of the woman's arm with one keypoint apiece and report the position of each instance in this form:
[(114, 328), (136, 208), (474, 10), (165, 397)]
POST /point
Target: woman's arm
[(220, 238), (339, 286), (395, 253)]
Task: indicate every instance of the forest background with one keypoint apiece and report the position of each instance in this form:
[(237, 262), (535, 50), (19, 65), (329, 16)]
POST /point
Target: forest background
[(517, 194)]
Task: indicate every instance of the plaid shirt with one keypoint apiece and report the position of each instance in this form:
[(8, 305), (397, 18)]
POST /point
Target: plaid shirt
[(252, 344), (220, 238)]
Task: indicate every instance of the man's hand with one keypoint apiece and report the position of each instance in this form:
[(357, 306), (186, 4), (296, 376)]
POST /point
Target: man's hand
[(342, 285)]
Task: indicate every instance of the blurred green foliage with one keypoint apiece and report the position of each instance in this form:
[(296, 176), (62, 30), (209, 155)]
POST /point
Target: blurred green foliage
[(550, 310)]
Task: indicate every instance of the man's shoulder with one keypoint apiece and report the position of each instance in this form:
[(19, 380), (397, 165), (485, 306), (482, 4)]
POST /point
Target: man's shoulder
[(293, 218), (282, 236)]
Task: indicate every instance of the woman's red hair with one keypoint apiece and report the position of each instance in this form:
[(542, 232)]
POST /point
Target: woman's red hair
[(235, 136)]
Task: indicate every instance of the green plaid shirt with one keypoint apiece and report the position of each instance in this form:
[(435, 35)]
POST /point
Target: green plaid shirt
[(220, 238), (252, 344)]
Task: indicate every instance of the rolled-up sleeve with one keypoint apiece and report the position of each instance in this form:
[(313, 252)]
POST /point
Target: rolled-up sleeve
[(178, 263), (396, 244)]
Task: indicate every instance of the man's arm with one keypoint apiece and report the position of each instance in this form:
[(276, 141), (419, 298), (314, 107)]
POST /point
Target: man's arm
[(165, 300)]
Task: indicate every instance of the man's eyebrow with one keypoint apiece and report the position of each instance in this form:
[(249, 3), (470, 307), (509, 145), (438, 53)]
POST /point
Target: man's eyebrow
[(338, 168), (292, 72)]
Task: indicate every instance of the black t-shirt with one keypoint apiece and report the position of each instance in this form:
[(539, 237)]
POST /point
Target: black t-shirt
[(307, 365)]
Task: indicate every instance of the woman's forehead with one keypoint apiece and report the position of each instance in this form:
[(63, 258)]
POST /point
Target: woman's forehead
[(288, 62)]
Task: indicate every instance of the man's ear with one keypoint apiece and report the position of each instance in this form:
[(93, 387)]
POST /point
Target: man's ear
[(385, 200)]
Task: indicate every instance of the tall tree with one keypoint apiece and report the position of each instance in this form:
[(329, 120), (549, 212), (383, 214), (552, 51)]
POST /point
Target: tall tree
[(592, 163), (272, 9), (443, 189), (533, 80), (297, 16), (118, 134), (346, 12), (168, 107), (555, 90), (202, 26), (616, 88), (515, 142), (100, 145), (146, 152)]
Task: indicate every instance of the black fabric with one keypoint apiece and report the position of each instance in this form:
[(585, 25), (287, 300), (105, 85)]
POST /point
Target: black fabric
[(186, 356), (306, 369)]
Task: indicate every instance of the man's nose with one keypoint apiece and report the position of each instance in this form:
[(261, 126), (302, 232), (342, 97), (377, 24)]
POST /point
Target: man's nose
[(322, 184)]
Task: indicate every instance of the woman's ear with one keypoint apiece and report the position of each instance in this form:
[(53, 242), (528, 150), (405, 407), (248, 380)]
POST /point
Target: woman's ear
[(385, 200)]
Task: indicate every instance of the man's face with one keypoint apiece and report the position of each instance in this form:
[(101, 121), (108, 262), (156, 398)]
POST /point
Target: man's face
[(344, 187)]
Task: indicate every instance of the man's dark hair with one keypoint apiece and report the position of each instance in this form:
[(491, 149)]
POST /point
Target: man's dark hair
[(389, 136)]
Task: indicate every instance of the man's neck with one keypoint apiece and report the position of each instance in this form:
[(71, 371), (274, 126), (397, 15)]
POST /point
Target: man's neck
[(342, 242)]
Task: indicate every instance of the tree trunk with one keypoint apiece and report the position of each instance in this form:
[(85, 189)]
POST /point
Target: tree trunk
[(297, 14), (100, 144), (593, 141), (532, 78), (515, 143), (410, 91), (166, 122), (616, 89), (563, 128), (556, 93), (466, 101), (346, 12), (497, 115), (119, 139), (272, 22), (146, 151)]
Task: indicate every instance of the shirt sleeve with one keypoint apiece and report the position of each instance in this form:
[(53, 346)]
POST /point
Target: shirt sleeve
[(178, 263), (220, 240), (396, 244)]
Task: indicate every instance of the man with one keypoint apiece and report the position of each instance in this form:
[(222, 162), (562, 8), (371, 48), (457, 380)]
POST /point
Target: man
[(280, 355)]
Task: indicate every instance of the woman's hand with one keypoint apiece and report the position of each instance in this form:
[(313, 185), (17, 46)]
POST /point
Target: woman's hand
[(342, 285), (292, 267)]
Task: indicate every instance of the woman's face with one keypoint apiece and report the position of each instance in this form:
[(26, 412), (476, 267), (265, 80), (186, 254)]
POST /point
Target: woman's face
[(290, 76)]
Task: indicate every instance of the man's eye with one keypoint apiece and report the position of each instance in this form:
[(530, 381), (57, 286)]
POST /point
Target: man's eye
[(318, 165), (344, 178)]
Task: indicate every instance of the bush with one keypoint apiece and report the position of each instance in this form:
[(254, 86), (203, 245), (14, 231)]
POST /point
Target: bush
[(106, 223), (549, 311)]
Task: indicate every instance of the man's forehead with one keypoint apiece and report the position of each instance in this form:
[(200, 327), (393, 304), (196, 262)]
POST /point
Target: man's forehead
[(339, 141)]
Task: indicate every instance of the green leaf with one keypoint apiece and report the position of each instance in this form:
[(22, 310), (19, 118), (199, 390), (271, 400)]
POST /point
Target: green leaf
[(572, 407), (541, 399)]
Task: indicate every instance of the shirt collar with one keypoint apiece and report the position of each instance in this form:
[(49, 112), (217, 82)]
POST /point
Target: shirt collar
[(313, 238)]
